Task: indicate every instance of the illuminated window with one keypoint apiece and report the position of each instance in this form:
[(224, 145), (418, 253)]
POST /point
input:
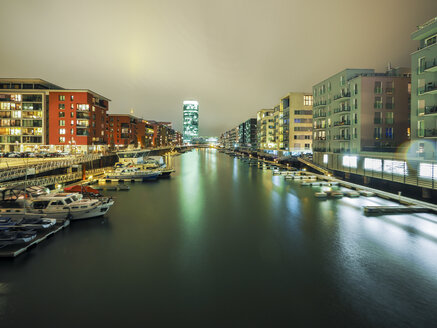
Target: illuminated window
[(325, 158), (71, 106), (373, 164), (83, 106), (71, 98), (61, 106), (61, 131), (350, 161), (395, 167), (428, 171), (61, 122), (61, 114), (61, 98), (307, 100), (61, 139)]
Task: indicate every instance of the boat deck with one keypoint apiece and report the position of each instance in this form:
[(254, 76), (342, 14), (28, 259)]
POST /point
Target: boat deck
[(17, 249)]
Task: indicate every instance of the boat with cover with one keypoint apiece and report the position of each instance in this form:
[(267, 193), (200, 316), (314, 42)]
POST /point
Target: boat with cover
[(21, 204), (16, 237), (132, 172)]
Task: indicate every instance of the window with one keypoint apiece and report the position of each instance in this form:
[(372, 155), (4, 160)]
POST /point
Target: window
[(61, 106), (420, 128), (354, 133), (378, 102), (373, 164), (389, 118), (389, 133), (325, 158), (61, 98), (378, 118), (307, 100), (61, 114), (329, 86), (307, 146), (72, 114), (389, 87), (61, 139), (61, 122), (342, 80), (355, 89), (395, 167), (72, 131), (428, 171), (378, 87), (71, 106), (389, 102), (355, 103), (61, 131), (71, 98), (83, 106), (350, 161), (377, 133)]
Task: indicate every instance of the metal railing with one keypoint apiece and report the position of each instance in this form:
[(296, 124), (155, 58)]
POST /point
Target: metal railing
[(47, 165)]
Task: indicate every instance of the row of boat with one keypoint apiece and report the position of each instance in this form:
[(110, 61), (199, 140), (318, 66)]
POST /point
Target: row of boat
[(17, 231)]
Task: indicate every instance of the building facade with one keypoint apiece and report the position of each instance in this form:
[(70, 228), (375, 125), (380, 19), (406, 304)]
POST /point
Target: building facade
[(296, 124), (265, 129), (424, 93), (359, 111), (77, 120), (191, 121)]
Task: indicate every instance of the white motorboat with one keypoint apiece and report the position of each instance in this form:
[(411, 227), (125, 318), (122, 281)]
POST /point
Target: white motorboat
[(132, 172), (57, 206)]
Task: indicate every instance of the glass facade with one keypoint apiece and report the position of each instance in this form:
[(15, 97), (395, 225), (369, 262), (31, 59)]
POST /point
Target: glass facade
[(191, 121)]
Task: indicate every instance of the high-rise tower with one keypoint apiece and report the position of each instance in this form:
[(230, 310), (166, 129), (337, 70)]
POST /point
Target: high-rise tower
[(191, 120)]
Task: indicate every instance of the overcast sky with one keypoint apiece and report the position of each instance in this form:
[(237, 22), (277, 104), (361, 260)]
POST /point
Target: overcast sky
[(233, 56)]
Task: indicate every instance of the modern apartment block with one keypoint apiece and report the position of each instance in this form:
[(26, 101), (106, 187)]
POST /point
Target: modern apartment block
[(247, 134), (24, 113), (77, 120), (191, 120), (358, 110), (36, 113), (266, 129), (295, 124), (424, 93)]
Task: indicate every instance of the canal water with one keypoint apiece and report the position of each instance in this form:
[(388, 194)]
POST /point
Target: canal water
[(228, 245)]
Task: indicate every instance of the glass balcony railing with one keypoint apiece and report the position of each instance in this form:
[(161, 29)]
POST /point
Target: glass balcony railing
[(341, 123), (430, 133), (378, 90), (431, 87), (430, 110), (342, 109)]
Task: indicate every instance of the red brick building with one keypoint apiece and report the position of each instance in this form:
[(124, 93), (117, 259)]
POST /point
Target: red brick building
[(77, 120)]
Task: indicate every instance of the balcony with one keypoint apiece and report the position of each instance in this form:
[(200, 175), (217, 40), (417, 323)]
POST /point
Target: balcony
[(342, 137), (319, 115), (342, 95), (377, 105), (430, 133), (342, 109), (342, 123), (430, 110), (320, 127), (319, 104), (431, 66), (378, 90), (377, 120), (389, 90), (430, 88), (84, 115)]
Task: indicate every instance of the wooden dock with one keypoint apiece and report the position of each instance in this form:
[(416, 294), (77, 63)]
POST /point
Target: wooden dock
[(15, 250)]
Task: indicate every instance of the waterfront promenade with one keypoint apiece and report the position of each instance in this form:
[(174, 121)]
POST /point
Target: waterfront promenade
[(225, 244)]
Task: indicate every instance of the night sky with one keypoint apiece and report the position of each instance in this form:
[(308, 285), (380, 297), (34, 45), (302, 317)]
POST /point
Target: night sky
[(233, 56)]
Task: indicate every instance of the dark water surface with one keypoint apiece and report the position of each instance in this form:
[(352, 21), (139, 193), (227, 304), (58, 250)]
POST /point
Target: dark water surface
[(224, 244)]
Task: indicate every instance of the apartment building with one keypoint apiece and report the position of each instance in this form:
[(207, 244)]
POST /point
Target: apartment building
[(77, 120), (424, 93), (36, 114), (358, 110), (265, 123), (295, 128)]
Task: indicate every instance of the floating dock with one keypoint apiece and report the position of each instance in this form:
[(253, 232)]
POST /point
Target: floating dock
[(17, 249), (395, 209)]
